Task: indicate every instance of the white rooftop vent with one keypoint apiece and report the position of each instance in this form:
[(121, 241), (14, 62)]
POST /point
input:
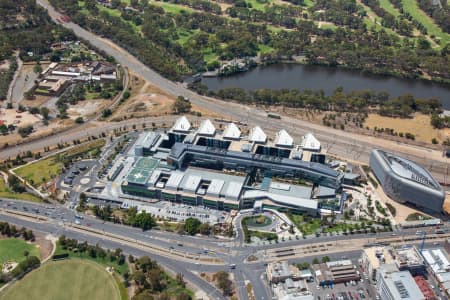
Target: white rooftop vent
[(232, 132), (207, 128), (257, 135), (182, 124), (284, 139), (310, 142)]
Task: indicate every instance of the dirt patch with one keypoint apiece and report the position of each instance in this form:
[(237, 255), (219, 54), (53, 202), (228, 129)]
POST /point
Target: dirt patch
[(447, 204), (4, 65), (419, 125), (11, 116), (86, 107), (39, 132), (39, 101), (44, 245), (223, 6)]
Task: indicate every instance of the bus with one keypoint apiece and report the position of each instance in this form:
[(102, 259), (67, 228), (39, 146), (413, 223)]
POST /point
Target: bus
[(273, 116)]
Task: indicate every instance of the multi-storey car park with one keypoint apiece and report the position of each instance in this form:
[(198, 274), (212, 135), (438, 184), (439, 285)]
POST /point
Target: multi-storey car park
[(406, 182), (225, 170)]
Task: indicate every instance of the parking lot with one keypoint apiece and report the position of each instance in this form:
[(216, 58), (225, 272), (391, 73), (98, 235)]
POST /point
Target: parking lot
[(179, 212), (344, 291)]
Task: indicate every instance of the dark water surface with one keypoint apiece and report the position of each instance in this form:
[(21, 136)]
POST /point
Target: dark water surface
[(295, 76)]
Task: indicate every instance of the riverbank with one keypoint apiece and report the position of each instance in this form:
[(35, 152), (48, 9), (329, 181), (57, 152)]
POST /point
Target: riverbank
[(302, 60), (327, 79)]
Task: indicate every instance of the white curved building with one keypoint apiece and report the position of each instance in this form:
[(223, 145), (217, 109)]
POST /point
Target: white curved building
[(406, 182)]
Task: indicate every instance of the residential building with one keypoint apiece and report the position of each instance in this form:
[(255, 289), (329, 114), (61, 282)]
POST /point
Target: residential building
[(393, 284), (334, 272)]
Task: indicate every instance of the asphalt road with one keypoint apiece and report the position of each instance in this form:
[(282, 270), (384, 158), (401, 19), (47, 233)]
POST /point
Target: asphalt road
[(230, 251), (349, 146)]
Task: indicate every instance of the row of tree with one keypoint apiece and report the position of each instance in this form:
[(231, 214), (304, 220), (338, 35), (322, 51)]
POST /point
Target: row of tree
[(6, 77), (401, 25), (439, 13), (9, 230), (340, 101), (152, 281), (159, 44), (93, 251), (142, 219)]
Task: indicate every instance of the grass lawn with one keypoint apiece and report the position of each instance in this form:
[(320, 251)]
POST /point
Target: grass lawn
[(92, 95), (259, 4), (174, 289), (309, 3), (42, 171), (387, 5), (305, 228), (173, 8), (67, 279), (6, 193), (417, 216), (12, 249), (105, 262), (258, 221), (264, 49), (413, 9)]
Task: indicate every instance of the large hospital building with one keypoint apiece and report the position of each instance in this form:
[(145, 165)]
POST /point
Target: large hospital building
[(226, 170)]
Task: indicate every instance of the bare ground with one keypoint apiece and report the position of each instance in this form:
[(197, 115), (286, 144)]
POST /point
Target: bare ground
[(44, 245), (419, 125), (147, 100)]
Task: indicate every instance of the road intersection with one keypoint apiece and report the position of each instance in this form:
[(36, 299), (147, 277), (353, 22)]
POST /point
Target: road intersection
[(186, 254)]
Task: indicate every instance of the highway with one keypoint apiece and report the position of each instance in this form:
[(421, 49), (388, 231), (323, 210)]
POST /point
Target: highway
[(349, 146), (186, 254)]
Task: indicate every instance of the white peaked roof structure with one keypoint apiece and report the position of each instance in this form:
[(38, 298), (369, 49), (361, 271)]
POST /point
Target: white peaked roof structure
[(206, 128), (232, 132), (182, 124), (257, 135), (309, 142), (283, 139)]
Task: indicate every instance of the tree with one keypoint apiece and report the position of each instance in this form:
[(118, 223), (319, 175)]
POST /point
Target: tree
[(79, 120), (25, 131), (181, 105), (204, 229), (154, 277), (144, 295), (37, 68), (15, 184), (224, 283), (139, 277), (183, 296), (106, 113), (144, 220), (191, 225), (44, 111), (325, 259), (180, 279), (315, 261)]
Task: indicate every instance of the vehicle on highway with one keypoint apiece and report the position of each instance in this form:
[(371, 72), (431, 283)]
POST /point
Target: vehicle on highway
[(233, 266), (273, 116)]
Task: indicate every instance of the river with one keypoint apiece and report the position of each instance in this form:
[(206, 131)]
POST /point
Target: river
[(295, 76)]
